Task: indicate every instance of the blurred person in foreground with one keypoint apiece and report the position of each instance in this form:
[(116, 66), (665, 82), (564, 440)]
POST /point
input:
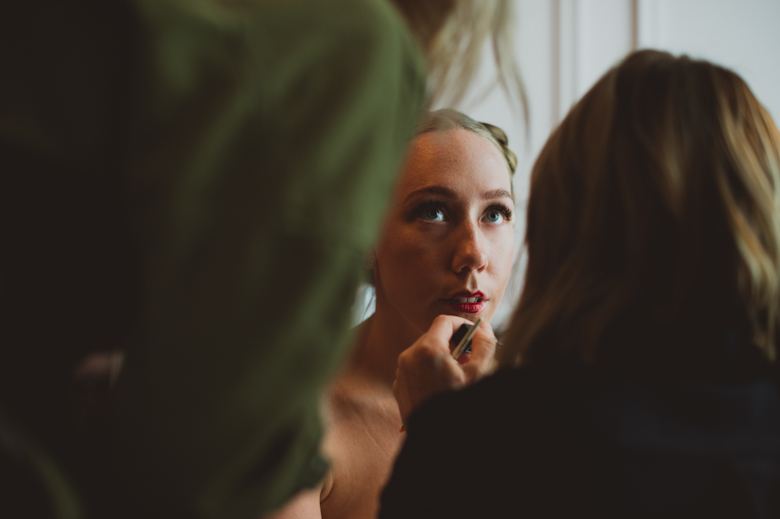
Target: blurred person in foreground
[(640, 370), (187, 191)]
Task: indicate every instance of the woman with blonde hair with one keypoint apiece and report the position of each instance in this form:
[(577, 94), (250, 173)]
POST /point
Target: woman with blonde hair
[(444, 256), (640, 365)]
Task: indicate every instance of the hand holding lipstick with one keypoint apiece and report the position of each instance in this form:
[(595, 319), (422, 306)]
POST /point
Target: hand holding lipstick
[(427, 367)]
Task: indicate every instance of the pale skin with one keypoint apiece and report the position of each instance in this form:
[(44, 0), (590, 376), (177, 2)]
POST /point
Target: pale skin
[(448, 235)]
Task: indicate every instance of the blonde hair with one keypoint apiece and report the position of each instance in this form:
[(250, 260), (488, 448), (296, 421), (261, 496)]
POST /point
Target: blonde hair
[(653, 206), (452, 34), (449, 119)]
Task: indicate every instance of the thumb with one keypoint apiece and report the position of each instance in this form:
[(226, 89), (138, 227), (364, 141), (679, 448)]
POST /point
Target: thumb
[(483, 354)]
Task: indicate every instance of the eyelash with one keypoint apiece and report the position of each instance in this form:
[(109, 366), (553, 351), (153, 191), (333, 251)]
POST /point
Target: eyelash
[(419, 212), (501, 208), (433, 204)]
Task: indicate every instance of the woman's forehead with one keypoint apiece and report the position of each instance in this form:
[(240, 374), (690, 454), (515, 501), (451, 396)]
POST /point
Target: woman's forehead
[(453, 157)]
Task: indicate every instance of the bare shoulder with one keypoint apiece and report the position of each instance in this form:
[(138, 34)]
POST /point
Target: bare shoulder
[(360, 415), (362, 443)]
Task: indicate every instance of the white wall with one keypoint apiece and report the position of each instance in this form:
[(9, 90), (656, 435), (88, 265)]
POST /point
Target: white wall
[(743, 35)]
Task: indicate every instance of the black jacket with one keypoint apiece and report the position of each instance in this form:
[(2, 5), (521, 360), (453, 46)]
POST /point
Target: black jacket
[(541, 442)]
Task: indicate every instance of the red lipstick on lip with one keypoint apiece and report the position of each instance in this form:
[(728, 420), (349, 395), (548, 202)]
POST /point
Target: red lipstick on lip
[(468, 308)]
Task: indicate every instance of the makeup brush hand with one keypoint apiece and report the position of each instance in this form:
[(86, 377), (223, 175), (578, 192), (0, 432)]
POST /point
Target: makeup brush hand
[(427, 366)]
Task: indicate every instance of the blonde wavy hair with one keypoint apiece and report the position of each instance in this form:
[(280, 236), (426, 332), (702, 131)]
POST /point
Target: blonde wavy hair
[(653, 206), (452, 34)]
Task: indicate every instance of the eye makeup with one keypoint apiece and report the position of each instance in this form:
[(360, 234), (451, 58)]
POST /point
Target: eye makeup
[(425, 210), (503, 209)]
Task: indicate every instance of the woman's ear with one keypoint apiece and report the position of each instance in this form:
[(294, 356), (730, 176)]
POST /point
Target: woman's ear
[(370, 260)]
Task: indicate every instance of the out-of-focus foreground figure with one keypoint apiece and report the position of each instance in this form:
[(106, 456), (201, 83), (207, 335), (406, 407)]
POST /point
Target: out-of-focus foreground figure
[(187, 191)]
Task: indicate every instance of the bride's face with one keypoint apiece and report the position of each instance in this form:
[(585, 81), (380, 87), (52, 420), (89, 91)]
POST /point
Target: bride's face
[(448, 240)]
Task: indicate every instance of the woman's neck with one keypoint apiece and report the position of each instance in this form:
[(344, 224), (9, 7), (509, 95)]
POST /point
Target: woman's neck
[(381, 339)]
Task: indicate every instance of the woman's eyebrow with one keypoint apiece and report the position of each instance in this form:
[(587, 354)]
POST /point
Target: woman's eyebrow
[(497, 193), (432, 190), (450, 193)]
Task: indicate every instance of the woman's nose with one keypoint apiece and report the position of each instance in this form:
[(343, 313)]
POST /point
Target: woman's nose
[(470, 253)]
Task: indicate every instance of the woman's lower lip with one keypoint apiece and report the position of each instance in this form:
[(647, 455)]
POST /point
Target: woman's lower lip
[(469, 308)]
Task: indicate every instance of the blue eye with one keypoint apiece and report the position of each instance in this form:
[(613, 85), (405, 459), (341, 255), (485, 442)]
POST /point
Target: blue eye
[(494, 216), (433, 214)]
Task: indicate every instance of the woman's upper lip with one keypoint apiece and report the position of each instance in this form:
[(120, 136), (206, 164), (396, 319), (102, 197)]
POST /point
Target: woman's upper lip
[(466, 293)]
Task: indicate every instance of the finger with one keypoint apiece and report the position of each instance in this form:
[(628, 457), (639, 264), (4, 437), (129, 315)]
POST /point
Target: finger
[(483, 353), (483, 350), (421, 372), (483, 346), (453, 370), (429, 362)]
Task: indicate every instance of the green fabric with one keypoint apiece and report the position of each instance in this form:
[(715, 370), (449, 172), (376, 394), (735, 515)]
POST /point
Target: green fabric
[(247, 150), (31, 484)]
